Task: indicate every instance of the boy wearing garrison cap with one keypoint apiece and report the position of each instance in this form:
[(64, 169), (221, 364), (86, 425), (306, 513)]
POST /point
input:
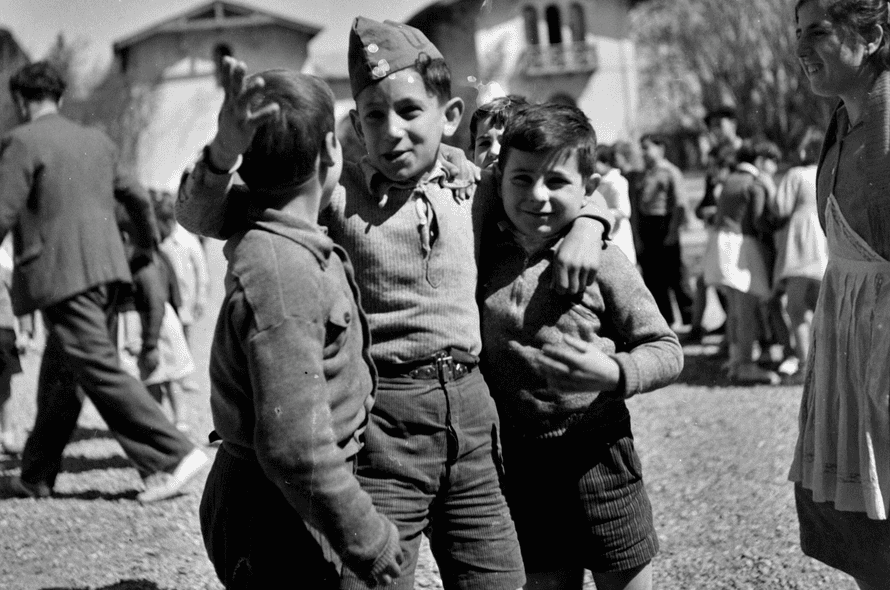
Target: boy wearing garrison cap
[(431, 459)]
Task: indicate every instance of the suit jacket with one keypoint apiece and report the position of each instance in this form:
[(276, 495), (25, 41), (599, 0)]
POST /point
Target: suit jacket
[(58, 186)]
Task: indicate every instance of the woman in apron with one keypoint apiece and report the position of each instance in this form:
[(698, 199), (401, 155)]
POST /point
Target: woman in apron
[(841, 466)]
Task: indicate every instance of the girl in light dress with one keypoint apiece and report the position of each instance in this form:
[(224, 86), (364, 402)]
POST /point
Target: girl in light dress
[(801, 248)]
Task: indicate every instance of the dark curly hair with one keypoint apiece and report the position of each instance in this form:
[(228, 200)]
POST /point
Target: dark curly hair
[(38, 81)]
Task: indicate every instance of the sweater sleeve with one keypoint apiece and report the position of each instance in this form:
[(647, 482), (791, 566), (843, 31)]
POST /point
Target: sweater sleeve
[(296, 447), (208, 204), (647, 350)]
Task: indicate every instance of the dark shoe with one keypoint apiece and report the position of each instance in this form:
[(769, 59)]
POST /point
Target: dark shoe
[(162, 485), (16, 487)]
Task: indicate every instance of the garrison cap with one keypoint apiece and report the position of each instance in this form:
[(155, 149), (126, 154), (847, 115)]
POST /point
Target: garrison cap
[(377, 49)]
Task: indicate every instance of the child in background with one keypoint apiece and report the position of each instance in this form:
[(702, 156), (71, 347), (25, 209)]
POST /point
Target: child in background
[(487, 125), (429, 459), (151, 343), (561, 367), (616, 190), (736, 262), (801, 248), (10, 439), (292, 380), (186, 255)]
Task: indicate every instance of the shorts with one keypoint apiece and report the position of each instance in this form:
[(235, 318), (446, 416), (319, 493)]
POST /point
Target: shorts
[(580, 510), (254, 537), (431, 464), (848, 541)]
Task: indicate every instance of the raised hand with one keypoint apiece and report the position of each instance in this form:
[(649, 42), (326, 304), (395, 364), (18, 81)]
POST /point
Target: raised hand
[(578, 365), (238, 121)]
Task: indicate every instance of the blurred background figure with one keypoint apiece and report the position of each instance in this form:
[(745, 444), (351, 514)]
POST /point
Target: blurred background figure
[(616, 190), (11, 441), (801, 248), (662, 213), (736, 263), (151, 342), (189, 263)]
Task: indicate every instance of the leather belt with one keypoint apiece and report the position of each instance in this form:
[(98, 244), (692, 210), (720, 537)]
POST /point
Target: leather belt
[(441, 367)]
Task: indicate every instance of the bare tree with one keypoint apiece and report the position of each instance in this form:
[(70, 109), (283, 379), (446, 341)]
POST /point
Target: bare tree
[(699, 54)]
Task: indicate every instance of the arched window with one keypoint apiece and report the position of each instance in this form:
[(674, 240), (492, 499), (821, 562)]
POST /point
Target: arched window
[(554, 24), (219, 52), (577, 22), (530, 16)]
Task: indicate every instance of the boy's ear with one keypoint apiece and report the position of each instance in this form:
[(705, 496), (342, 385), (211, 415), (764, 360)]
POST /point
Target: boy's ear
[(328, 155), (591, 184), (453, 113), (356, 124)]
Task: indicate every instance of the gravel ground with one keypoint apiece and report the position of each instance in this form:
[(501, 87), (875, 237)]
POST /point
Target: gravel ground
[(715, 460)]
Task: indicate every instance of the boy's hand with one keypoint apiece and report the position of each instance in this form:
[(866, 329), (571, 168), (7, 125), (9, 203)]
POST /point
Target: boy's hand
[(580, 366), (578, 256), (237, 121), (462, 175), (149, 359)]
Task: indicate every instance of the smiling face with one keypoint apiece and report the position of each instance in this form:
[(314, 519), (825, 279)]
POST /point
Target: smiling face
[(543, 192), (832, 57), (402, 124), (487, 146)]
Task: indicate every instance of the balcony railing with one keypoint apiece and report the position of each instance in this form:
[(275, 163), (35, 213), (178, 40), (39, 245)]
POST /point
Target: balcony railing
[(566, 58)]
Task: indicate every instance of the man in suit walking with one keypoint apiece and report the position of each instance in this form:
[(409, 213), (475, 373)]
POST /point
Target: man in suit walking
[(58, 185)]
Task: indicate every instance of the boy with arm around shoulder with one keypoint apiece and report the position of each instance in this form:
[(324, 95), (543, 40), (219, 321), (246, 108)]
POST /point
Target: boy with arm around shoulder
[(561, 366), (291, 379)]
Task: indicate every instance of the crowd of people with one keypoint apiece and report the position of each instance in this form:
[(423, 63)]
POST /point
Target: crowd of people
[(418, 343)]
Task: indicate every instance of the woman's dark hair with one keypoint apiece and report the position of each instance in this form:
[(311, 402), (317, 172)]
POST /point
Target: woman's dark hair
[(551, 128), (284, 149), (38, 81), (859, 17)]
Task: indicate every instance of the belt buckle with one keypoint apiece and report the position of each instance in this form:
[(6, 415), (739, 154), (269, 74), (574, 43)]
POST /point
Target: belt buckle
[(444, 362)]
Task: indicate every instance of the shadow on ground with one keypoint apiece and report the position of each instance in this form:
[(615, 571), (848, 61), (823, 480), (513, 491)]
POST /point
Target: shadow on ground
[(122, 585)]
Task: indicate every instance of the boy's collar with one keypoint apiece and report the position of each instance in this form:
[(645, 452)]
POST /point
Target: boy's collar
[(379, 185), (311, 236)]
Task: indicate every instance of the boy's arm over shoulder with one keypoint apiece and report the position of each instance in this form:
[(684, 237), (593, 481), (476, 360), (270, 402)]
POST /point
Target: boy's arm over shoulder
[(295, 441), (649, 353)]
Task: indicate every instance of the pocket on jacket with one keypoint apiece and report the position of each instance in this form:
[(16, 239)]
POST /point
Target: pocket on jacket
[(337, 326)]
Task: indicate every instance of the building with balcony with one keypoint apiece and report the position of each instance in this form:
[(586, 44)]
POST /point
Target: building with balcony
[(570, 50)]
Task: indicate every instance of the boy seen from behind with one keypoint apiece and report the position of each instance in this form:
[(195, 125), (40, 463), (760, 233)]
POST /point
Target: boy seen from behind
[(291, 378), (561, 366)]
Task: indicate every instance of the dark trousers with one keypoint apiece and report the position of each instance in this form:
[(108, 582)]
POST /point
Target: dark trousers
[(80, 351), (663, 269), (254, 537)]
